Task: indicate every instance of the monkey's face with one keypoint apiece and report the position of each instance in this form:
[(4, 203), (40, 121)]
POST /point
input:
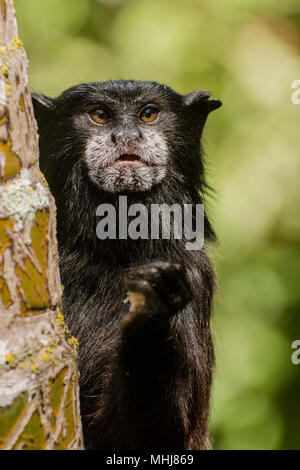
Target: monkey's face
[(127, 135), (127, 149)]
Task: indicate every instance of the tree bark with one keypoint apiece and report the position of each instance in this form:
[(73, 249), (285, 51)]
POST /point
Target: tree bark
[(39, 400)]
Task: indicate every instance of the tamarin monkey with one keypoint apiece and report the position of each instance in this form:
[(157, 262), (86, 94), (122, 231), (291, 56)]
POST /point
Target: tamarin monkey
[(145, 372)]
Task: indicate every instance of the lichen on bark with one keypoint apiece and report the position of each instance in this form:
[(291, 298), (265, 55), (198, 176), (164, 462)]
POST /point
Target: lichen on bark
[(39, 402)]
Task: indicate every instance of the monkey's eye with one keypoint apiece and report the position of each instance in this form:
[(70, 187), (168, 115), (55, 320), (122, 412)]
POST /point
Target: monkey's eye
[(149, 114), (100, 116)]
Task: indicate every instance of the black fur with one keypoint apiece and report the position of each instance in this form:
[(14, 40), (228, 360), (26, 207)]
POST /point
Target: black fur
[(145, 376)]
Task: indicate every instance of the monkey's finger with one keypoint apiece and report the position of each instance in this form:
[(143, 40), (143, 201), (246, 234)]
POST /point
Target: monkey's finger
[(139, 285)]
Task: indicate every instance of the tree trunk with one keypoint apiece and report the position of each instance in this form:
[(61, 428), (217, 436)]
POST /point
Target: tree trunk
[(39, 401)]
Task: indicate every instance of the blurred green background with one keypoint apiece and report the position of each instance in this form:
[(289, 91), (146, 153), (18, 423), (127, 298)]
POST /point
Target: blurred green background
[(246, 52)]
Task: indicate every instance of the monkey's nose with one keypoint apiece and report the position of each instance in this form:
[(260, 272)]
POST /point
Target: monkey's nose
[(126, 136)]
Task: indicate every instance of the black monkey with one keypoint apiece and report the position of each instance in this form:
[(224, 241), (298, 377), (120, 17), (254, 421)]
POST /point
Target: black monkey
[(145, 374)]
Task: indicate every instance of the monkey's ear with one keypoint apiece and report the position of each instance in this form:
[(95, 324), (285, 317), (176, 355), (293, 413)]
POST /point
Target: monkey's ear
[(200, 101), (42, 106)]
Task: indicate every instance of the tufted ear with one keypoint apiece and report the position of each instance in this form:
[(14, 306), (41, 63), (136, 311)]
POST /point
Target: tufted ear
[(42, 106), (200, 102)]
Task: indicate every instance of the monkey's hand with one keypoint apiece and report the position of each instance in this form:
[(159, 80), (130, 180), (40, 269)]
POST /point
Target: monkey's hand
[(158, 287)]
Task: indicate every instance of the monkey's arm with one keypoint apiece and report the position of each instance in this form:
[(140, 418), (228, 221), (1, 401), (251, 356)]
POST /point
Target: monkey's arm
[(160, 385)]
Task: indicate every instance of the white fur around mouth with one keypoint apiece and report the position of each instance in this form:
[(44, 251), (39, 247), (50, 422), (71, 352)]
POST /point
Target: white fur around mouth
[(135, 168)]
